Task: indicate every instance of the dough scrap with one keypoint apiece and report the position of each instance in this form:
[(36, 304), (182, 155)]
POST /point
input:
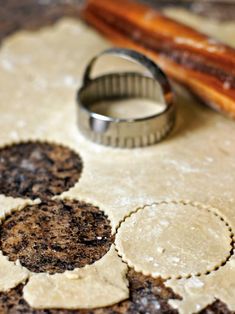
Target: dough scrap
[(11, 274), (101, 284), (7, 204), (173, 240), (197, 293)]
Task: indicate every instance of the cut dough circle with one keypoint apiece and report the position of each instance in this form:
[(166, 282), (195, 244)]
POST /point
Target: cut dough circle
[(174, 240)]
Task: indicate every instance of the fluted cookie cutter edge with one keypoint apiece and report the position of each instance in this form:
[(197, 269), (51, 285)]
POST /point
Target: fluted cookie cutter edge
[(125, 133)]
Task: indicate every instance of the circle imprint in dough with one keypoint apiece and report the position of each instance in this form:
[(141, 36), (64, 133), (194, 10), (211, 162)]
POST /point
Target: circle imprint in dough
[(174, 240), (37, 169), (55, 236)]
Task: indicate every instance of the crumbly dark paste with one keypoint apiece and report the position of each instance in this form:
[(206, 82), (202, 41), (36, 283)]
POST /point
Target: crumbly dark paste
[(55, 236), (147, 295), (31, 170), (217, 307)]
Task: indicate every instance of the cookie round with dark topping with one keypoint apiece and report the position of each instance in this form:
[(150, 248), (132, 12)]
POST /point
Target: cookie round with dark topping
[(55, 236), (37, 169)]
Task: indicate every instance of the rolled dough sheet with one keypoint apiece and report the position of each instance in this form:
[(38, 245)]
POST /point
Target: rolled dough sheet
[(39, 75)]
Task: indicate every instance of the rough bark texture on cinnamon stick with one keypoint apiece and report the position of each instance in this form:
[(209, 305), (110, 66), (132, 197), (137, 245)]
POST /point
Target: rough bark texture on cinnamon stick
[(201, 63)]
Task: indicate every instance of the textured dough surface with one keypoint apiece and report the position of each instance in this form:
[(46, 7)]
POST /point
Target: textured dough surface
[(9, 203), (101, 284), (11, 274), (197, 293), (41, 105), (128, 108), (39, 75), (179, 240)]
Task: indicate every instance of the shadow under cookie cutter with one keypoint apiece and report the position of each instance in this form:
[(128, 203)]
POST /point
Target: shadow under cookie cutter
[(130, 132)]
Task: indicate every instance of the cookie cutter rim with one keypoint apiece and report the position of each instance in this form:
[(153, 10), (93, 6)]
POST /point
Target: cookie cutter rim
[(95, 126)]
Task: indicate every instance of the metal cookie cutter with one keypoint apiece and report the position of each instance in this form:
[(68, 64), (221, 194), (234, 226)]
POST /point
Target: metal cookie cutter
[(125, 132)]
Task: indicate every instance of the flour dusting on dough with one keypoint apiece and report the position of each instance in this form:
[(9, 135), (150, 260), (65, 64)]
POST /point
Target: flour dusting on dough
[(38, 87)]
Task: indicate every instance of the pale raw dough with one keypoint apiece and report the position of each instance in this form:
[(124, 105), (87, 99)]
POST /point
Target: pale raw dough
[(174, 240), (39, 75), (223, 31), (11, 274), (101, 284), (197, 293), (9, 203), (128, 109)]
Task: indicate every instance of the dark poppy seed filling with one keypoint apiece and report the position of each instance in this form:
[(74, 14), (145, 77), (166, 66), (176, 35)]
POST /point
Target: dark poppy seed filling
[(32, 170), (55, 236)]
